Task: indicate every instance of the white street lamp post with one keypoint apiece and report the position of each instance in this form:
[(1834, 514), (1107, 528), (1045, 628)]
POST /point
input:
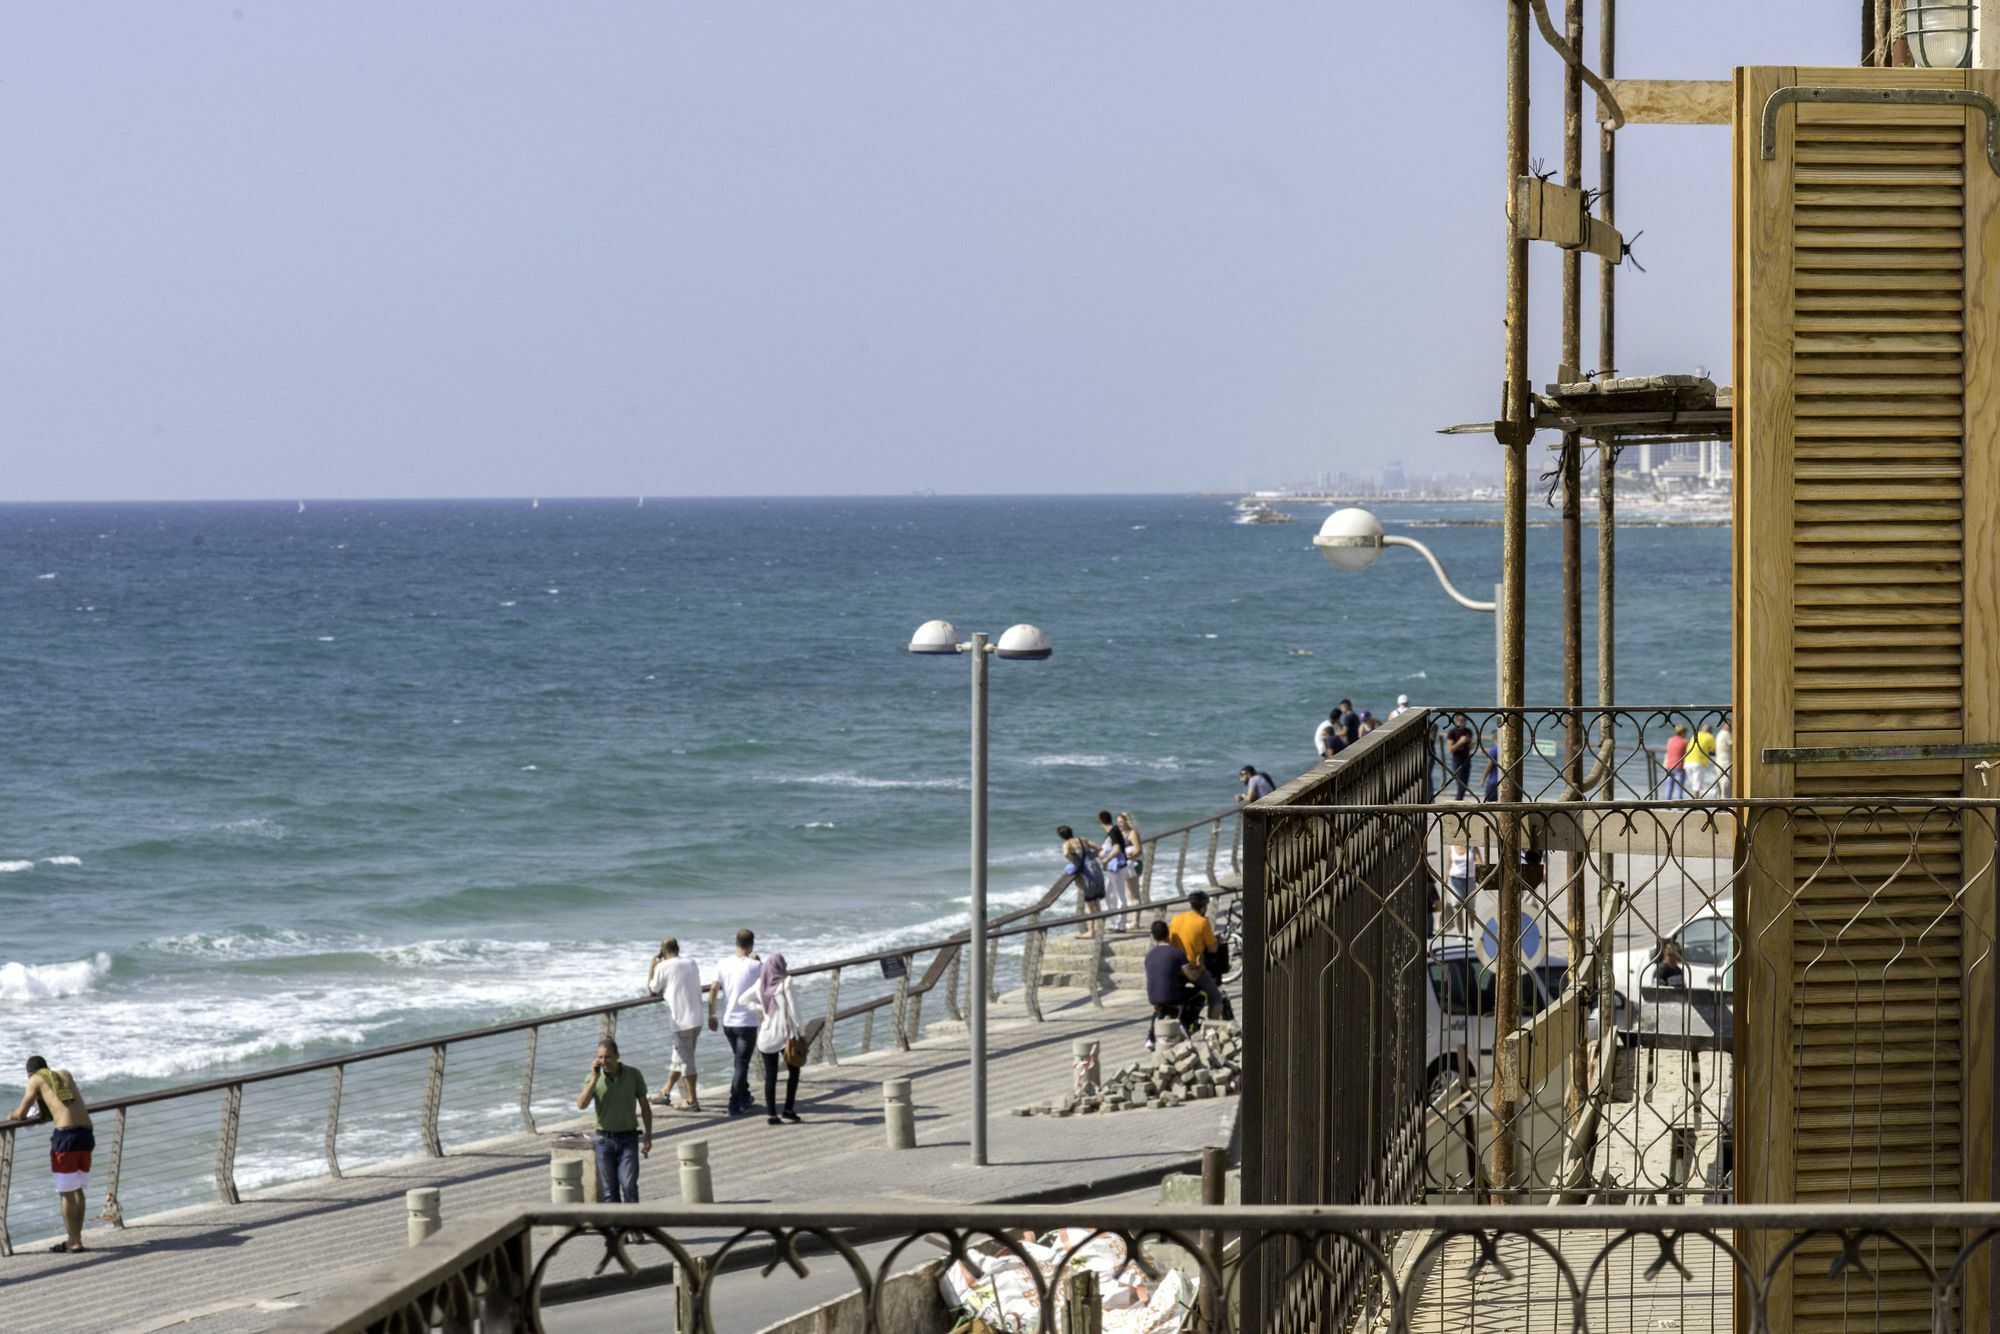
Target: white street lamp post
[(1019, 642), (1352, 539)]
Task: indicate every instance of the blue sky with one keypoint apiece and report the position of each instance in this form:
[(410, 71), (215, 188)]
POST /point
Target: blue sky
[(456, 249)]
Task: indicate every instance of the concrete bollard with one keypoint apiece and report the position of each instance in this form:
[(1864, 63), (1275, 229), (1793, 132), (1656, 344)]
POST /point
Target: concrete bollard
[(426, 1212), (580, 1149), (696, 1185), (1083, 1054), (565, 1181), (899, 1115)]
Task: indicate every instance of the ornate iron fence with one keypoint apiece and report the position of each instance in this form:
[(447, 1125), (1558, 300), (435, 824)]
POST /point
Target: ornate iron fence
[(401, 1100), (1684, 1267), (1333, 1003)]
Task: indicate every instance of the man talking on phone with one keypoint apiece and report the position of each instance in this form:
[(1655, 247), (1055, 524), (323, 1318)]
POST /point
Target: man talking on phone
[(620, 1094)]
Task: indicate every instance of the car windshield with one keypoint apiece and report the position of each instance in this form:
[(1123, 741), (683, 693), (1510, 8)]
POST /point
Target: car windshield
[(1463, 985), (1707, 942)]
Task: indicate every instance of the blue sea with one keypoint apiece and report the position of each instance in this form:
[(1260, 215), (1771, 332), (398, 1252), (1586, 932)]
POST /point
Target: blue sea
[(280, 783)]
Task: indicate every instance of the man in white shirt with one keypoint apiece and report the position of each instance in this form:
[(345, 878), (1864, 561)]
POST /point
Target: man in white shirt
[(677, 982), (736, 988), (1402, 706)]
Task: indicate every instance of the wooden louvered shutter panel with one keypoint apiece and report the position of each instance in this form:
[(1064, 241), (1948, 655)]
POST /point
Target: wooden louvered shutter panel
[(1868, 331)]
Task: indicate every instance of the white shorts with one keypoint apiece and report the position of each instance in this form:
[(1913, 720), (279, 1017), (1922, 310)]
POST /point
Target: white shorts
[(683, 1057)]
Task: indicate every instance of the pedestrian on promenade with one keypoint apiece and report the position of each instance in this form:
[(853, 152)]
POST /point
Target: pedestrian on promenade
[(779, 1037), (1256, 784), (1675, 787), (1699, 763), (1402, 707), (1118, 892), (1135, 848), (1329, 738), (1367, 722), (1725, 759), (1493, 767), (735, 990), (1463, 878), (1190, 930), (1458, 742), (619, 1091), (1169, 976), (677, 982), (1350, 721), (53, 1096), (1081, 864)]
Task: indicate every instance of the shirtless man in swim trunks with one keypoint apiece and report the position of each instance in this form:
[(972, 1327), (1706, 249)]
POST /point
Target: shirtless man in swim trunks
[(56, 1094)]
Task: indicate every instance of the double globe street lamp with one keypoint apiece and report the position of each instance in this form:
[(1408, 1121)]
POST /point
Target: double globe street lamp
[(1022, 643), (1352, 539)]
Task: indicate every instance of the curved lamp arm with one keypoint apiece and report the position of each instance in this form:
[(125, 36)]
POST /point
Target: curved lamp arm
[(1392, 540)]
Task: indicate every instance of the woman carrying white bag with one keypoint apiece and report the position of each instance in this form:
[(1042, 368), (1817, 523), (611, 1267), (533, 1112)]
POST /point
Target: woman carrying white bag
[(779, 1035)]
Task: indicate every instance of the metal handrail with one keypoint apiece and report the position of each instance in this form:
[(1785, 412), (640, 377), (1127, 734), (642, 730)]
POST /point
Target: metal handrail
[(905, 1002), (995, 928)]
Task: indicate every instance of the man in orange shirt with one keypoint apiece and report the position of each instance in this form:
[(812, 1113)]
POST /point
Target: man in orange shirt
[(1190, 930)]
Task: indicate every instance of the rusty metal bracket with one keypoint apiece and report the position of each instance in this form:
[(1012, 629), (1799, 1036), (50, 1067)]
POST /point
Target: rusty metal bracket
[(1895, 97), (1970, 750)]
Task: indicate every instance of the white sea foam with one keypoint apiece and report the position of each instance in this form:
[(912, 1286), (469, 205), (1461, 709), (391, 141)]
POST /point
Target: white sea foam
[(1211, 636), (46, 981), (818, 824), (50, 575), (1072, 761), (510, 604), (529, 768), (326, 639), (555, 590), (861, 781), (9, 868), (62, 861), (257, 826)]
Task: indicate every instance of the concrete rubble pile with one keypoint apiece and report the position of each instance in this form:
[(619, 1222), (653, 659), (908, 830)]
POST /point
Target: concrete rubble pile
[(997, 1289), (1182, 1070)]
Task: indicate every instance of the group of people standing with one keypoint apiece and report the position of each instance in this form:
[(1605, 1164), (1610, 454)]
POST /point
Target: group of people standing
[(1344, 726), (1108, 872), (1698, 765), (750, 1003)]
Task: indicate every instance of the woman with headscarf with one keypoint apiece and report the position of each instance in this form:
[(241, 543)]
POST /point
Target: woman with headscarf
[(776, 1035)]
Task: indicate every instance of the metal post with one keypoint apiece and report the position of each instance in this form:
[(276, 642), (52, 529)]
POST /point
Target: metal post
[(6, 1188), (1607, 364), (528, 1081), (1514, 433), (114, 1212), (1572, 551), (826, 1047), (333, 1120), (1214, 1195), (980, 963), (225, 1148), (1499, 643), (433, 1100)]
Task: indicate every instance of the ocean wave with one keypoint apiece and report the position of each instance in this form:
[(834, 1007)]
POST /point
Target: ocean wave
[(862, 781), (10, 868), (818, 824), (47, 981), (257, 826), (45, 576), (62, 861), (1072, 761)]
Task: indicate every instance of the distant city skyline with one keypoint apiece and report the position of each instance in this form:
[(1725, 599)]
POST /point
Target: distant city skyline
[(515, 250)]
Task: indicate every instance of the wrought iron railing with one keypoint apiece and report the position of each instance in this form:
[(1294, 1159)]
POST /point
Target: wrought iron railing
[(1622, 752), (399, 1100), (1656, 1266)]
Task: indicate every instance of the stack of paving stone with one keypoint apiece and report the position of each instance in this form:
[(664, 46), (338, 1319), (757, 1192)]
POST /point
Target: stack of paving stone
[(1209, 1065)]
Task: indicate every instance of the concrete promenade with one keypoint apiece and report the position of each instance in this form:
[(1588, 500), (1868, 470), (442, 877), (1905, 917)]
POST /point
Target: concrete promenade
[(216, 1268)]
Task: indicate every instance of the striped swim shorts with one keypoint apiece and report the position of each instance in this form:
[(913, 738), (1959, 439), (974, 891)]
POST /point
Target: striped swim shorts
[(69, 1157)]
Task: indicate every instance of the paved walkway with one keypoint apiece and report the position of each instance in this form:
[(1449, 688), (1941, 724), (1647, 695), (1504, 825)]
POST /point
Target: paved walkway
[(217, 1268)]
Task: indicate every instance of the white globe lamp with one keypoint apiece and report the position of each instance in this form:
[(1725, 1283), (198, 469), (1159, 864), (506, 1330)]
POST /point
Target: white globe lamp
[(934, 637), (1350, 539), (1024, 641)]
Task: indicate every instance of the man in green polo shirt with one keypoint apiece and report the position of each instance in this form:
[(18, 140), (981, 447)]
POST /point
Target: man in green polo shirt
[(620, 1094)]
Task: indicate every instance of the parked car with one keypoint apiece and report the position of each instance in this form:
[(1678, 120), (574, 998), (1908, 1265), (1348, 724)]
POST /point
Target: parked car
[(1707, 942), (1458, 1022)]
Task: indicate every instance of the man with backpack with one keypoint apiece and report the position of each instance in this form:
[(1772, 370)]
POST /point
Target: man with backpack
[(1080, 861)]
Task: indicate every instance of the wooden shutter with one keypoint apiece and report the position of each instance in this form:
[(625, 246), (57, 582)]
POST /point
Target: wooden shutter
[(1868, 350)]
